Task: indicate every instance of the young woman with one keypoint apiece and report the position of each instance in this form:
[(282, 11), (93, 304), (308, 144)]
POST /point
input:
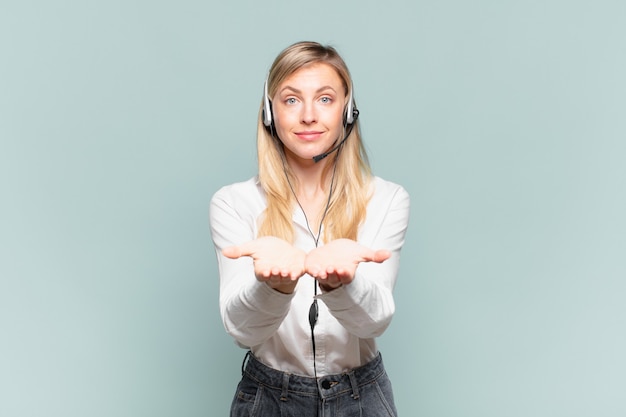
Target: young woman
[(308, 250)]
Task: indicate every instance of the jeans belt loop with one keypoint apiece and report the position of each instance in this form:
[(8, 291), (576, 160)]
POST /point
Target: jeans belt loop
[(355, 387), (284, 392), (243, 364)]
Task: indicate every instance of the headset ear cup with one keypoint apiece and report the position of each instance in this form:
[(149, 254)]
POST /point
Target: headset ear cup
[(269, 124), (355, 115), (351, 112), (267, 108)]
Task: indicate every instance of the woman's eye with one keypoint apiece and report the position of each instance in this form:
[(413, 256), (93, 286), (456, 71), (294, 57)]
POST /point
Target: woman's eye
[(326, 100), (290, 100)]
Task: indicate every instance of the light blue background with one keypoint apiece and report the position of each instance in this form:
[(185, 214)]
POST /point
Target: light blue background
[(503, 119)]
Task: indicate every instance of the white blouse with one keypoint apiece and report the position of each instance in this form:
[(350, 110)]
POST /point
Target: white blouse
[(275, 326)]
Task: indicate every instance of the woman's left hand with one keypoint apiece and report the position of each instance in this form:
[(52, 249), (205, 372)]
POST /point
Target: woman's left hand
[(335, 263)]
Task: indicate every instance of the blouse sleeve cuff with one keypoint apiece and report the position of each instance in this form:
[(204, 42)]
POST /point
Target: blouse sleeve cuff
[(346, 296), (267, 299)]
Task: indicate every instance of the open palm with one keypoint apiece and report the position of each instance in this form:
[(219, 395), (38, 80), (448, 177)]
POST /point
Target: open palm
[(276, 261), (335, 263)]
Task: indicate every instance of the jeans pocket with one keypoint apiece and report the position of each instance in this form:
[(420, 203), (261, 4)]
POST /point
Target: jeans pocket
[(377, 399), (246, 400)]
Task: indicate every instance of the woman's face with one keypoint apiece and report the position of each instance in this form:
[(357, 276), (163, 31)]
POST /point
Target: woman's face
[(308, 111)]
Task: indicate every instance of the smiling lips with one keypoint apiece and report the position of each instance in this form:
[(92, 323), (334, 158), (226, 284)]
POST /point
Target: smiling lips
[(309, 135)]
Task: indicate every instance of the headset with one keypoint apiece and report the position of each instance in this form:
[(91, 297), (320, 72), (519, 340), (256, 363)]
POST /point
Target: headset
[(349, 117)]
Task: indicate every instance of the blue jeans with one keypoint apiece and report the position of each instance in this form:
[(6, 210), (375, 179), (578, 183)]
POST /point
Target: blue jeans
[(265, 392)]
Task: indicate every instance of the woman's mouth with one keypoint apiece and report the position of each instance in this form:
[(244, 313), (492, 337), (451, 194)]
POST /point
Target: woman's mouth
[(309, 134)]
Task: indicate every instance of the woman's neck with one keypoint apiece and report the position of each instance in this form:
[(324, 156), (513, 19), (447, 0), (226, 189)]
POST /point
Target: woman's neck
[(312, 189)]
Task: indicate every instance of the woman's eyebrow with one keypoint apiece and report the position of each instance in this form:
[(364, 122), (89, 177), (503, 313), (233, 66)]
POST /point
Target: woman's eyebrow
[(297, 91)]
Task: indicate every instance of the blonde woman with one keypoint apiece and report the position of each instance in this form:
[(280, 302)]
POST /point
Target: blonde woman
[(308, 250)]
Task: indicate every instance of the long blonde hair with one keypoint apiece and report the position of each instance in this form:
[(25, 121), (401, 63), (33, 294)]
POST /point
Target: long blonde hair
[(347, 206)]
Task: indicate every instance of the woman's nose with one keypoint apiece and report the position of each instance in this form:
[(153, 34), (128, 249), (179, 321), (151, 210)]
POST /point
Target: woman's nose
[(308, 113)]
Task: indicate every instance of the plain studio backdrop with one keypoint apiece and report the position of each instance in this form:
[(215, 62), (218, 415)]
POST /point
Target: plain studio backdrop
[(505, 121)]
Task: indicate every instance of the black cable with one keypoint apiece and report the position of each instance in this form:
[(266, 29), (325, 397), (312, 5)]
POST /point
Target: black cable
[(314, 309)]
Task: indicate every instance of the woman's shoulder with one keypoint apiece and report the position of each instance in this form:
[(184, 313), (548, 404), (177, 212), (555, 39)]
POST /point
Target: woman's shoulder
[(239, 187), (248, 190), (385, 189)]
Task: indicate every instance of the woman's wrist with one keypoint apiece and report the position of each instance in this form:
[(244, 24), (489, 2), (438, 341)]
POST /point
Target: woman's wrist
[(285, 288), (328, 288)]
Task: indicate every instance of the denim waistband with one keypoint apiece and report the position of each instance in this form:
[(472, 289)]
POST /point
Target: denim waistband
[(326, 386)]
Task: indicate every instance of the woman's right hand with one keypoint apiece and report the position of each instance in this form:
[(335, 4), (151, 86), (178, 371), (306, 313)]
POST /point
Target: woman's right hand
[(276, 262)]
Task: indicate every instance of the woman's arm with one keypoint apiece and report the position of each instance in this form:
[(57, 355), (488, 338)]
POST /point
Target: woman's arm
[(364, 303), (251, 311)]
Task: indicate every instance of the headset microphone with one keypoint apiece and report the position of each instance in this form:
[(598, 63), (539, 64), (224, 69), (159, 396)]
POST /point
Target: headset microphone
[(355, 115)]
